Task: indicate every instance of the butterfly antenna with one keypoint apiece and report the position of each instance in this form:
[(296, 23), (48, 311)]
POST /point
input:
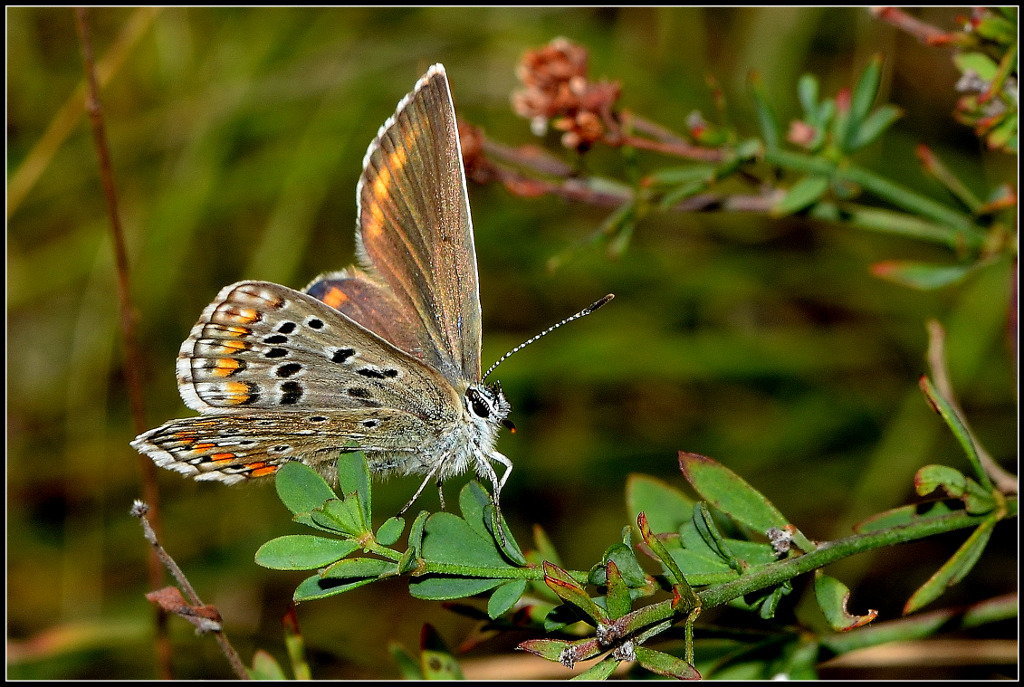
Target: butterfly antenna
[(582, 313)]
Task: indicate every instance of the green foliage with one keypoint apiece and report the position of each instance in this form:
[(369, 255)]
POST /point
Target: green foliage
[(751, 333), (451, 557)]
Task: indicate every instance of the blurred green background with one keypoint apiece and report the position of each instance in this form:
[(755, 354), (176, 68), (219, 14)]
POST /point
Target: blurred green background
[(237, 137)]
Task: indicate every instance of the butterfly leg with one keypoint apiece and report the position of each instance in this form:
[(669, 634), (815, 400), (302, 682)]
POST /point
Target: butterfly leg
[(440, 492), (426, 480), (484, 465)]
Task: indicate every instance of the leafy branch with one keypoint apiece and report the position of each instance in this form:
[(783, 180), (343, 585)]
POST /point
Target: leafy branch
[(733, 546), (810, 169)]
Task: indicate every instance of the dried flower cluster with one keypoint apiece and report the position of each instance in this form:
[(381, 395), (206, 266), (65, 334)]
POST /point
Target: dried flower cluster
[(558, 92)]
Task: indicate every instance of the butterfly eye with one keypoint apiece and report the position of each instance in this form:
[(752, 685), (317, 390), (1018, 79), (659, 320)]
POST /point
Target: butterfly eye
[(480, 408), (477, 404)]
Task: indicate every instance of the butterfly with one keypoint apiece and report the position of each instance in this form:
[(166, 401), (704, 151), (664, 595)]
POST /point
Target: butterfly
[(383, 357)]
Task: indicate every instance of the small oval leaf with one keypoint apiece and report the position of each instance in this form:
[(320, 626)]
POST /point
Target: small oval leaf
[(505, 597), (833, 596), (301, 488), (303, 552)]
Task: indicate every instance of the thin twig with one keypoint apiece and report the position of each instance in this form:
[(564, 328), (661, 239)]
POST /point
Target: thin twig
[(924, 32), (139, 510), (31, 167), (133, 361)]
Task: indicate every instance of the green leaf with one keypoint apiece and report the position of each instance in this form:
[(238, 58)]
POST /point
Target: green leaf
[(599, 671), (315, 587), (681, 193), (447, 587), (904, 515), (478, 511), (981, 64), (550, 649), (705, 526), (863, 96), (344, 514), (802, 194), (303, 552), (874, 125), (450, 539), (473, 499), (265, 667), (353, 568), (436, 660), (295, 645), (768, 603), (953, 570), (505, 597), (807, 93), (300, 488), (752, 552), (729, 493), (701, 566), (390, 531), (994, 28), (833, 596), (416, 532), (766, 118), (505, 541), (952, 418), (932, 477), (408, 562), (665, 664), (660, 551), (354, 477), (665, 507), (617, 600), (626, 562), (750, 149), (562, 584), (408, 666), (1004, 135), (922, 276)]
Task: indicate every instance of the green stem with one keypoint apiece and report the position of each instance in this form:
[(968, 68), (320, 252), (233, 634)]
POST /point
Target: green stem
[(495, 573), (829, 552)]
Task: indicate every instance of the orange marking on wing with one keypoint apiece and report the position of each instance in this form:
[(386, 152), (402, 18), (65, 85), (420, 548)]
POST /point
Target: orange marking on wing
[(242, 315), (230, 347), (236, 393), (382, 183), (335, 297), (205, 446), (374, 222), (264, 471), (225, 367), (222, 457)]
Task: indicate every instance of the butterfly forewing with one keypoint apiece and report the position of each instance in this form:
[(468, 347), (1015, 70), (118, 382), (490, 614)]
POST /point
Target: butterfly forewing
[(371, 304), (414, 228)]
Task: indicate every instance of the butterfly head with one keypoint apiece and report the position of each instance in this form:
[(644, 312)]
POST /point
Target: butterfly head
[(486, 406)]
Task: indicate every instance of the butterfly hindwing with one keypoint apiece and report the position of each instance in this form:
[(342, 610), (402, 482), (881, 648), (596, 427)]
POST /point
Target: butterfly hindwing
[(261, 346), (232, 448)]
